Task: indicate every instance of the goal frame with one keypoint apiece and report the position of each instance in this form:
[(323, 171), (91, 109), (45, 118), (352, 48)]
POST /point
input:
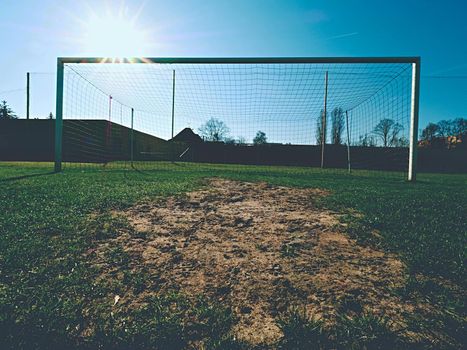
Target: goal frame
[(415, 61)]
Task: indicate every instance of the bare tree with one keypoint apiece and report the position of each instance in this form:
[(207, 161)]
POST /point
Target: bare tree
[(395, 140), (430, 132), (241, 140), (260, 138), (319, 129), (366, 141), (214, 130), (6, 112), (445, 128), (441, 132), (460, 126), (383, 130), (387, 130), (401, 142), (337, 125)]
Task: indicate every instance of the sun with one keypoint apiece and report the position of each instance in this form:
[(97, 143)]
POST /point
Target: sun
[(114, 35)]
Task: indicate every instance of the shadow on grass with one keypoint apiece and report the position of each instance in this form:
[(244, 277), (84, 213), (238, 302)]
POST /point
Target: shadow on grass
[(22, 177)]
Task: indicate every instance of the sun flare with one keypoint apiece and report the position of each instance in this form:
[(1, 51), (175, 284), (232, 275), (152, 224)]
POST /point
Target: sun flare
[(112, 35)]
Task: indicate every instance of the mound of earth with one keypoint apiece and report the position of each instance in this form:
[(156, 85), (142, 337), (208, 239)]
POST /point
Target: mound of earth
[(260, 249)]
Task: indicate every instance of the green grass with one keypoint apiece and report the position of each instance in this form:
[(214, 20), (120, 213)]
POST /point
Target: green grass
[(358, 332), (46, 285)]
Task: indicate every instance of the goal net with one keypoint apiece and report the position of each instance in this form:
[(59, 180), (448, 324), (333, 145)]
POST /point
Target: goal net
[(349, 114)]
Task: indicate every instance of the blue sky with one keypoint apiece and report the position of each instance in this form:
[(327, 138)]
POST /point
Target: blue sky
[(33, 33)]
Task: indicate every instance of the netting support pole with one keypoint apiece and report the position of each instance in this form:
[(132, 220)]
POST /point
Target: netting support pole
[(173, 115), (323, 121), (173, 102), (59, 116), (348, 140), (108, 134), (414, 110), (132, 139), (27, 94)]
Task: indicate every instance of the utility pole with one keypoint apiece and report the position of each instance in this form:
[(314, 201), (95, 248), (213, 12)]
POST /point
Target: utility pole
[(27, 94)]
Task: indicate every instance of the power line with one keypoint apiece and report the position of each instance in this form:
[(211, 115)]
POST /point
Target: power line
[(13, 90), (444, 76)]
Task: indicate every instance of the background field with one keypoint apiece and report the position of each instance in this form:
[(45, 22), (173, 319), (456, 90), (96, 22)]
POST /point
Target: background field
[(45, 227)]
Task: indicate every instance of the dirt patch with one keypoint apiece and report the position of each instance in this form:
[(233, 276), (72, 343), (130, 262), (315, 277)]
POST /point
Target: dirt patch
[(261, 250)]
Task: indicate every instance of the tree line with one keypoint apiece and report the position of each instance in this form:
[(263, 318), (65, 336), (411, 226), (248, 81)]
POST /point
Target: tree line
[(445, 133), (386, 133), (337, 126), (215, 130), (6, 112)]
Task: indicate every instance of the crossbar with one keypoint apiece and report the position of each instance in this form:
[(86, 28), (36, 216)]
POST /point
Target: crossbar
[(239, 60)]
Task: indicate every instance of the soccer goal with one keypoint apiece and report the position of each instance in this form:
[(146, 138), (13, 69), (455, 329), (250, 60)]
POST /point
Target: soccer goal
[(335, 113)]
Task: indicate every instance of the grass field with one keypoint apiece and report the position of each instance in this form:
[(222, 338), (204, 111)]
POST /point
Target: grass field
[(51, 296)]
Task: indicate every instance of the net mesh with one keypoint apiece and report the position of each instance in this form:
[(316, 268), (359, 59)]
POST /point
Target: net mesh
[(148, 115)]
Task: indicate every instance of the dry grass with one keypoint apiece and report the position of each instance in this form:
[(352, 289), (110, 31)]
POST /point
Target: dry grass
[(260, 250)]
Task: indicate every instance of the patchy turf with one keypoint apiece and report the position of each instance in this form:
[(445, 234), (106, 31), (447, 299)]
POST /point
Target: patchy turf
[(257, 248), (262, 250), (73, 270)]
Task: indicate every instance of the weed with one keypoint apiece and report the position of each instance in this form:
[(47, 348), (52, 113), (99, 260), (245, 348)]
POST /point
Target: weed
[(365, 332), (290, 250), (302, 332), (105, 226), (118, 256)]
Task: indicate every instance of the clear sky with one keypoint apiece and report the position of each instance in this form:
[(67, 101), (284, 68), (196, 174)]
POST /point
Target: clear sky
[(33, 33)]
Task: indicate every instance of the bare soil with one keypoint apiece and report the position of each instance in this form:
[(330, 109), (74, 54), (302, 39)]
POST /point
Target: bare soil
[(260, 249)]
